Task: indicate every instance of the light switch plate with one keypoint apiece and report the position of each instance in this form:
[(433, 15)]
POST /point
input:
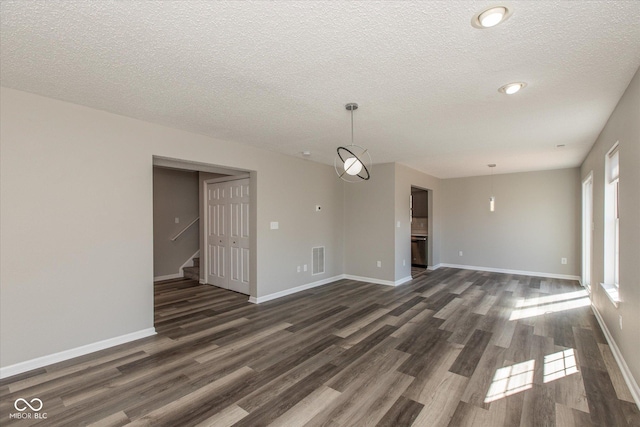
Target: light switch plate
[(275, 225)]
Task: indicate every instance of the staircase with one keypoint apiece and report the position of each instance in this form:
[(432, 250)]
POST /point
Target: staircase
[(193, 272)]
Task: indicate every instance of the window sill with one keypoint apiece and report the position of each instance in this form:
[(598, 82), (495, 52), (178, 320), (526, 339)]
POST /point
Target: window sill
[(612, 293)]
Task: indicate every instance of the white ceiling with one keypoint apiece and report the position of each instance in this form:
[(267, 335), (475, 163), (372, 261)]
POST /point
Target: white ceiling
[(277, 74)]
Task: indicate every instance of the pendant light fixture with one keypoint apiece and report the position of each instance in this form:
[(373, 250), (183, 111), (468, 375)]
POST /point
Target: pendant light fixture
[(492, 199), (352, 162)]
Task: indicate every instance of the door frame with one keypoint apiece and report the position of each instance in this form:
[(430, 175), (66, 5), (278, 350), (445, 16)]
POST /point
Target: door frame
[(204, 229), (587, 231), (430, 264), (229, 171)]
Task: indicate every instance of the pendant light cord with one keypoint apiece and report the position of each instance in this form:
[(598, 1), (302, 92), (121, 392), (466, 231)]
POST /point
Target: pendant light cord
[(351, 126)]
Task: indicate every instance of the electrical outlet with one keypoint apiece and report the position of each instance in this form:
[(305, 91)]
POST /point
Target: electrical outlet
[(177, 220), (398, 224), (563, 260), (298, 269), (404, 262), (304, 267), (459, 253), (379, 263)]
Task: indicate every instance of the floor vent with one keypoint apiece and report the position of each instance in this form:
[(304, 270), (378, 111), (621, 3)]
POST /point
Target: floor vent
[(317, 264)]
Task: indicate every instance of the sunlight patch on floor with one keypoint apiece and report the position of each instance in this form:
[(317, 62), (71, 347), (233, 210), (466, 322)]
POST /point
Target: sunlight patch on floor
[(511, 380), (553, 307), (559, 365)]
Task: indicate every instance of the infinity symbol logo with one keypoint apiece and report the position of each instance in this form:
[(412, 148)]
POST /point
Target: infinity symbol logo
[(28, 404)]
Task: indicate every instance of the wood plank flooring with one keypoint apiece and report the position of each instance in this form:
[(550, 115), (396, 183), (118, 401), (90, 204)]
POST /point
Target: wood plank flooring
[(451, 348)]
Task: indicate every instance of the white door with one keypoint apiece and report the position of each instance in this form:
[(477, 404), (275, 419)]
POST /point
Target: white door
[(217, 236), (239, 236), (228, 235)]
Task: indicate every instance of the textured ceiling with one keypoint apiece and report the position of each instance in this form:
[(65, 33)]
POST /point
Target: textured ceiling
[(277, 74)]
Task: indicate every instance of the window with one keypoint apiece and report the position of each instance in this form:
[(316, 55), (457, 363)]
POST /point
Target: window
[(612, 224)]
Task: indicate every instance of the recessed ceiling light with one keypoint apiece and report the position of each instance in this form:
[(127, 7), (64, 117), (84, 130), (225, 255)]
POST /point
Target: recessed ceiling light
[(490, 17), (511, 88)]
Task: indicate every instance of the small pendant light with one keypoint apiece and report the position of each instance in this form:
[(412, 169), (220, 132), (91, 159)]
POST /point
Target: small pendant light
[(492, 199)]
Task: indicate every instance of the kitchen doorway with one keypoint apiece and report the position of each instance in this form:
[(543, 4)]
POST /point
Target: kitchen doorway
[(419, 208)]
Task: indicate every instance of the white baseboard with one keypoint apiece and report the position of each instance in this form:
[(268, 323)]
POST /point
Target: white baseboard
[(286, 292), (434, 267), (505, 271), (403, 280), (275, 295), (624, 368), (180, 274), (370, 280), (39, 362), (378, 281), (168, 277)]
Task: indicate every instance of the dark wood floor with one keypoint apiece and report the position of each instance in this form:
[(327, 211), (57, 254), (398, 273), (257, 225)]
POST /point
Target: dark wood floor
[(451, 348)]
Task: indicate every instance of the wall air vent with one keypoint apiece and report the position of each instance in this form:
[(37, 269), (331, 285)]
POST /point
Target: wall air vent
[(317, 264)]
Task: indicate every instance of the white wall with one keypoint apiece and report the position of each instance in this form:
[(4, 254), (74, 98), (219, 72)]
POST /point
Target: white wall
[(77, 253), (622, 126), (536, 222)]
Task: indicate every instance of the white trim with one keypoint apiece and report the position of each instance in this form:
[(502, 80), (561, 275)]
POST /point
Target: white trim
[(624, 368), (403, 280), (227, 178), (505, 271), (258, 300), (168, 277), (378, 281), (612, 292), (434, 267), (189, 262), (39, 362), (180, 275)]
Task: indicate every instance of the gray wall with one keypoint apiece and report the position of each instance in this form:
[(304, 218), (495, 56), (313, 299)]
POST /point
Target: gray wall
[(77, 254), (623, 126), (175, 195), (535, 224), (369, 225)]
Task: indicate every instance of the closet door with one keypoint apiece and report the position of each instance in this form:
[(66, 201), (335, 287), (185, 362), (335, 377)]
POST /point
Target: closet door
[(239, 236), (228, 235), (217, 234)]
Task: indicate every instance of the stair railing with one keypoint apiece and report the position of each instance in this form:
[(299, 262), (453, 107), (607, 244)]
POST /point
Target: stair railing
[(184, 229)]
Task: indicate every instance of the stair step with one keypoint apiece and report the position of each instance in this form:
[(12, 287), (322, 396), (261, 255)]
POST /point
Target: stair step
[(192, 273), (196, 262)]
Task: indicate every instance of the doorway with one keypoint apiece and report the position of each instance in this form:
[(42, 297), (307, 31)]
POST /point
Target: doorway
[(419, 209), (245, 241)]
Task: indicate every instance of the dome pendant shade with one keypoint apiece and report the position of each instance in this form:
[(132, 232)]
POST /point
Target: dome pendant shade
[(352, 162)]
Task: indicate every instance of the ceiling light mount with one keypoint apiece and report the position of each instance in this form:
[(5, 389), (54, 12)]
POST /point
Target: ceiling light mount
[(512, 88), (490, 17), (352, 162)]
